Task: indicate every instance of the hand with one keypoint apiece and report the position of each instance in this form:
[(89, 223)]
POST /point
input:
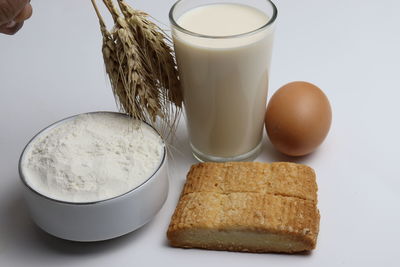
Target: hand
[(13, 13)]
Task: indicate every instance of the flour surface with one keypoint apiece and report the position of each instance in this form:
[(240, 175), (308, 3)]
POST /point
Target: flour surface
[(92, 157)]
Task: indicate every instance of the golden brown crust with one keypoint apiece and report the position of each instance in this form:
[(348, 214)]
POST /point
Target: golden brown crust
[(279, 178), (276, 201)]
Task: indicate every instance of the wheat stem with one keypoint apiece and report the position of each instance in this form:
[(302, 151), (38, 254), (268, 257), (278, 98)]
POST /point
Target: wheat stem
[(96, 9), (112, 9)]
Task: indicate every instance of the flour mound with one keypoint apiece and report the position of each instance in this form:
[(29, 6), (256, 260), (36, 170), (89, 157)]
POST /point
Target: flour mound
[(92, 157)]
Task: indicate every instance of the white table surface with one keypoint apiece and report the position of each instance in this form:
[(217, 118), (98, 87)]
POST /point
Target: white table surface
[(53, 69)]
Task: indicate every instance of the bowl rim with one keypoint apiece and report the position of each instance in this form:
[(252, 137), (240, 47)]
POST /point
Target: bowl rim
[(59, 122)]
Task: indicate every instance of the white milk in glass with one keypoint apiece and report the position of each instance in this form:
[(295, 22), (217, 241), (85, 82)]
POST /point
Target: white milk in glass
[(223, 64)]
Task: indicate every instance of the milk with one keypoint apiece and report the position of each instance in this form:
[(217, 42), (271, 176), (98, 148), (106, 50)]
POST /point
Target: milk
[(224, 79)]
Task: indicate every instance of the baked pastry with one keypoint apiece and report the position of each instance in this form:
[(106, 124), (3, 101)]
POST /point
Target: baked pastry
[(247, 206)]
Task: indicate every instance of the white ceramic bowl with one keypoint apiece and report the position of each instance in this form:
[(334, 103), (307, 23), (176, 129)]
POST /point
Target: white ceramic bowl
[(100, 220)]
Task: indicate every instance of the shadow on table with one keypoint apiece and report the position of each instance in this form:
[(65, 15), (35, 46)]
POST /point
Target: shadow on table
[(273, 155), (70, 247), (19, 230)]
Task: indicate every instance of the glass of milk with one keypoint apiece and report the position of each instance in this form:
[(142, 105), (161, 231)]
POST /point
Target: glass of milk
[(223, 50)]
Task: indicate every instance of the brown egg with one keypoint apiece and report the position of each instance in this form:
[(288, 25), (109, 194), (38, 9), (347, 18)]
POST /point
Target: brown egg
[(298, 118)]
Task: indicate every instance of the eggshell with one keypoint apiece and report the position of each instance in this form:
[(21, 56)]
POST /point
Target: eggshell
[(298, 118)]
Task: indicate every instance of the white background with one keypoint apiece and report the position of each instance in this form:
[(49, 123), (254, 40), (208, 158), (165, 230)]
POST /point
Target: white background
[(53, 69)]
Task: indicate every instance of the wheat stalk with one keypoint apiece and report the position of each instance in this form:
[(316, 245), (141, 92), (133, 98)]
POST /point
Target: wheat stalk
[(141, 66)]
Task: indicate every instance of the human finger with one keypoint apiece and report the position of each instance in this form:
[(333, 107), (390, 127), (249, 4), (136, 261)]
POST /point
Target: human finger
[(9, 9), (25, 14), (11, 28)]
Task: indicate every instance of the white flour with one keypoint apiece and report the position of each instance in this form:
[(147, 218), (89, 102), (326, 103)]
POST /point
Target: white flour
[(92, 157)]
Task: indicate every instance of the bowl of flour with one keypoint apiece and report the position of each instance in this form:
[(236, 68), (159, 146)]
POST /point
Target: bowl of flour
[(94, 176)]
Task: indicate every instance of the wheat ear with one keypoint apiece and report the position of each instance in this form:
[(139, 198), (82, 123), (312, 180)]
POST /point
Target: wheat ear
[(141, 66)]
